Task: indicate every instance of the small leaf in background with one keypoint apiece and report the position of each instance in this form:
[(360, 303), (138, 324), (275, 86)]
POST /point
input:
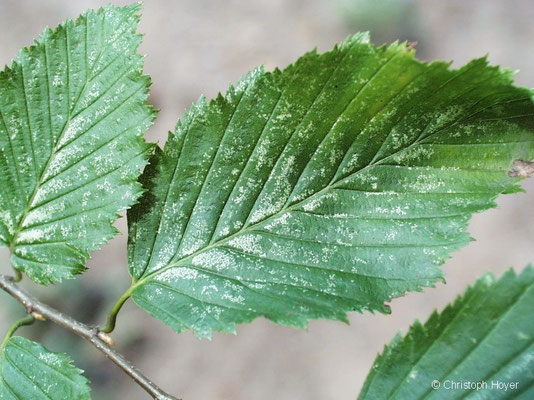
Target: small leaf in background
[(486, 335), (73, 111), (331, 186), (28, 371)]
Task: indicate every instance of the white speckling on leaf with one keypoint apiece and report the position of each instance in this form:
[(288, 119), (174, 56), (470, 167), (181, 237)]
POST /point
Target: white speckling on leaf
[(176, 274)]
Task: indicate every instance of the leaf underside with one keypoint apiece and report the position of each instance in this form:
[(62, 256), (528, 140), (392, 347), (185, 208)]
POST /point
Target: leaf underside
[(486, 335), (73, 113), (29, 371), (331, 186)]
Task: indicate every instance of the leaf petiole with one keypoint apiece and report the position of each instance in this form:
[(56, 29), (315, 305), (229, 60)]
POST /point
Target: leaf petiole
[(27, 320), (18, 275), (112, 317)]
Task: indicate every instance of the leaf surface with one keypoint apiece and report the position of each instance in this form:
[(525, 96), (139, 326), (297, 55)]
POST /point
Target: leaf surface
[(28, 371), (486, 335), (73, 112), (332, 186)]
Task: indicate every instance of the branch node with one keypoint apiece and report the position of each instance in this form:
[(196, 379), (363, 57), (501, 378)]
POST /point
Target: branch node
[(106, 338), (101, 340), (27, 306), (38, 316)]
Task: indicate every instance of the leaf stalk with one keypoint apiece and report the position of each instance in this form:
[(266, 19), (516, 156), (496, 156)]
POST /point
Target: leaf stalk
[(88, 333), (27, 320), (112, 317)]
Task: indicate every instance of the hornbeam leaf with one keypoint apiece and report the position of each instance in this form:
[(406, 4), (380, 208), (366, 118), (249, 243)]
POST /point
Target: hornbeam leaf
[(331, 186), (28, 371), (73, 113), (484, 341)]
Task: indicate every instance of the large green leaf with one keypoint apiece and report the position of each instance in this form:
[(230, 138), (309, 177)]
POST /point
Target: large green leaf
[(486, 335), (332, 186), (28, 371), (72, 116)]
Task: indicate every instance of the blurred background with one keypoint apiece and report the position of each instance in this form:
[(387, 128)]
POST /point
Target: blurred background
[(198, 47)]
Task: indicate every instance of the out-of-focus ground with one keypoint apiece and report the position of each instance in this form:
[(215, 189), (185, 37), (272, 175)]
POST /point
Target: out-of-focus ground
[(198, 47)]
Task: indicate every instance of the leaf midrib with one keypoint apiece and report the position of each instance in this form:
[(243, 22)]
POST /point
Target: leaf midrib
[(90, 76), (245, 228), (259, 224), (332, 185), (22, 373), (48, 366), (486, 335)]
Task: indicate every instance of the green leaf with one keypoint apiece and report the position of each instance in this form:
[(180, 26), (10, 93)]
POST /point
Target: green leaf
[(486, 335), (28, 371), (73, 113), (331, 186)]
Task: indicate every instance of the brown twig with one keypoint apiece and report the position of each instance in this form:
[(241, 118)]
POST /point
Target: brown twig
[(92, 335)]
